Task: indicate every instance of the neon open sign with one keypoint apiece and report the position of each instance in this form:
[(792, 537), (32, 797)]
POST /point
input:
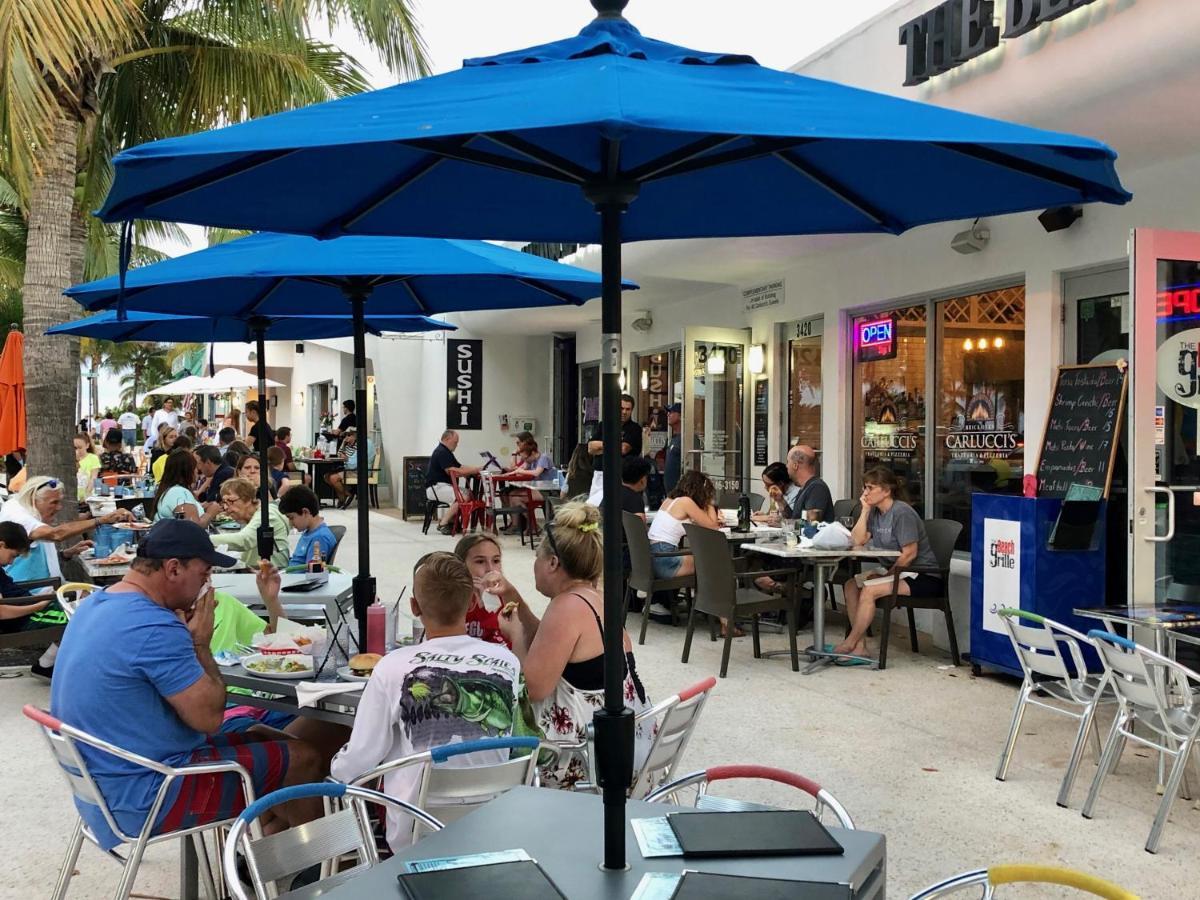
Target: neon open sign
[(875, 338), (1181, 302)]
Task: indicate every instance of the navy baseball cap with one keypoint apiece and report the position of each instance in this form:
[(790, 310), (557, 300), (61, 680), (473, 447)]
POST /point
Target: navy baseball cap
[(181, 539), (675, 408)]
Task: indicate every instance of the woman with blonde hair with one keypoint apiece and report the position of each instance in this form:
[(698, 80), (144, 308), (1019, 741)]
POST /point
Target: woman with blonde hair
[(562, 653), (239, 499)]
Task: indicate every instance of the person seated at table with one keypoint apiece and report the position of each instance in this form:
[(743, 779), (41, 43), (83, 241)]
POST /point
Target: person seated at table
[(444, 468), (536, 466), (776, 482), (808, 491), (279, 480), (240, 501), (250, 468), (482, 553), (562, 653), (136, 670), (225, 437), (14, 617), (403, 709), (303, 511), (283, 440), (179, 442), (113, 458), (87, 462), (213, 473), (336, 477), (174, 498), (234, 453), (35, 508), (167, 436), (635, 475), (191, 433), (205, 433), (887, 522)]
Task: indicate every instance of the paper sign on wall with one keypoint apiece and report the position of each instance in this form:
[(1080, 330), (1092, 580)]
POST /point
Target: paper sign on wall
[(1001, 571)]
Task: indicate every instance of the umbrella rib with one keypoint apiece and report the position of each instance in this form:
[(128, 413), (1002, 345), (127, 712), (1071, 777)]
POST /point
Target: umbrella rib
[(841, 192), (759, 148), (263, 296), (416, 298), (661, 166), (205, 179), (510, 141), (1027, 167), (547, 289), (494, 160)]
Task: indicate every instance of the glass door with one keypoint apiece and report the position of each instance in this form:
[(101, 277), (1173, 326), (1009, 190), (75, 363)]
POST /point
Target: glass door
[(802, 345), (1165, 424), (714, 405)]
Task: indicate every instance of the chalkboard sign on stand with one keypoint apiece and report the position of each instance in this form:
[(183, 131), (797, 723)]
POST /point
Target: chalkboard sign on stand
[(1083, 428), (415, 468)]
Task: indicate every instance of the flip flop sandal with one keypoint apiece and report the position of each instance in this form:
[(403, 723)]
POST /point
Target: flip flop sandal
[(852, 661)]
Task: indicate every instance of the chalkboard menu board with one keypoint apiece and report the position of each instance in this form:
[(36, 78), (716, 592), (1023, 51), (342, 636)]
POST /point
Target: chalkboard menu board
[(1082, 430), (414, 485), (760, 422)]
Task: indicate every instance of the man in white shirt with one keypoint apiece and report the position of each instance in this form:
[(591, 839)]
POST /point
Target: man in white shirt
[(447, 689), (128, 421), (166, 414), (148, 423)]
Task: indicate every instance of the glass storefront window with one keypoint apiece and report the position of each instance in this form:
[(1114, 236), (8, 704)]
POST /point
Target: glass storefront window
[(589, 401), (889, 397), (804, 391), (717, 413), (655, 388), (980, 413)]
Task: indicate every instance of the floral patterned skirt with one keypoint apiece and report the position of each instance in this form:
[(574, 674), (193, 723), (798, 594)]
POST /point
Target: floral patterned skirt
[(565, 715)]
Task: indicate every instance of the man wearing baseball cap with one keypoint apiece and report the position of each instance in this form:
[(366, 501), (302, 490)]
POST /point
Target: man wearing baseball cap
[(135, 669), (673, 466)]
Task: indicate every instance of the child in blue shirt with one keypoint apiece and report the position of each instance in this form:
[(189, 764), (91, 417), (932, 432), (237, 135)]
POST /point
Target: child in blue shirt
[(302, 509)]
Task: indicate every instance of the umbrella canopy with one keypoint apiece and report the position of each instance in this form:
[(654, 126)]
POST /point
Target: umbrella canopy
[(189, 384), (144, 326), (12, 392), (228, 380), (289, 275), (533, 144)]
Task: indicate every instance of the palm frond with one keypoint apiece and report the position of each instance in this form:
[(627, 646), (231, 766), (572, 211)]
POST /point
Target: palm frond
[(387, 26)]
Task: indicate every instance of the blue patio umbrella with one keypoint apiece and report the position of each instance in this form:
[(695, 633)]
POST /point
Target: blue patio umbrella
[(258, 284), (533, 144)]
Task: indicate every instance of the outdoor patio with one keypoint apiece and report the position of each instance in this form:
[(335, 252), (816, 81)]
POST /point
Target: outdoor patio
[(910, 751)]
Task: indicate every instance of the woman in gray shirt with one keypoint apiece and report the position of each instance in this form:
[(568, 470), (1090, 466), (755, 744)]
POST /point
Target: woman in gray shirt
[(887, 522)]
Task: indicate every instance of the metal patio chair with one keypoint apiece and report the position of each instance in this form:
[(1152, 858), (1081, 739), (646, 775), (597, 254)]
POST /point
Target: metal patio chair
[(1021, 873), (710, 803), (64, 741), (344, 831), (1160, 694), (1038, 642), (641, 569)]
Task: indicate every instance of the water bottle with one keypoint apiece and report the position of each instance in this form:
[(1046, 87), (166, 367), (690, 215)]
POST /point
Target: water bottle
[(743, 517)]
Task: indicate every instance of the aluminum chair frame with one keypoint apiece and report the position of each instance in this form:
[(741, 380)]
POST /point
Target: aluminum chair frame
[(1165, 704), (991, 878), (702, 779), (451, 793), (63, 740), (79, 589), (1039, 652), (346, 830)]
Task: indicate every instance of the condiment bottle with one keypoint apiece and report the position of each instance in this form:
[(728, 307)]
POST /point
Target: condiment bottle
[(376, 628)]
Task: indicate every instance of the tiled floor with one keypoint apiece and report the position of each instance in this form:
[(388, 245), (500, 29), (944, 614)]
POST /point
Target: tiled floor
[(910, 751)]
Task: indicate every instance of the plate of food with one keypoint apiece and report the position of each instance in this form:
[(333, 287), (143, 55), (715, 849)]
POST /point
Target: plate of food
[(133, 526), (294, 667), (114, 559), (360, 667)]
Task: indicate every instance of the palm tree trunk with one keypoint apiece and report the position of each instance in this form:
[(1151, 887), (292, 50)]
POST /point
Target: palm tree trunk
[(51, 363)]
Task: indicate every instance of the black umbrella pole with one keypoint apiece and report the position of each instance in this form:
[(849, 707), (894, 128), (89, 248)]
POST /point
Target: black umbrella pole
[(613, 723), (364, 582), (266, 535)]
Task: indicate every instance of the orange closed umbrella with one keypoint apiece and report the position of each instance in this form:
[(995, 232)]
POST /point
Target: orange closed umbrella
[(12, 392)]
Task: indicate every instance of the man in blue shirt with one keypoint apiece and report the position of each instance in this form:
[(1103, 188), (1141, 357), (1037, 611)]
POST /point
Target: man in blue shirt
[(135, 669), (302, 508)]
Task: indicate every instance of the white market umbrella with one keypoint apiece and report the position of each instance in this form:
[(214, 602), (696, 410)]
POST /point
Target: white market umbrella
[(190, 384), (232, 380)]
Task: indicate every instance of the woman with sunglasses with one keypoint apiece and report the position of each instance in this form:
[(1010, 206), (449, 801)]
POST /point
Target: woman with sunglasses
[(239, 499), (562, 653)]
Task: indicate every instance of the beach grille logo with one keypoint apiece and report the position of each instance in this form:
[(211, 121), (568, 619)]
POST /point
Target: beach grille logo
[(1000, 585), (464, 385), (1002, 554), (1178, 364)]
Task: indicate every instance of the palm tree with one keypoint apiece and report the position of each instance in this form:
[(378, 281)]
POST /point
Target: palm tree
[(12, 253), (80, 79), (145, 365)]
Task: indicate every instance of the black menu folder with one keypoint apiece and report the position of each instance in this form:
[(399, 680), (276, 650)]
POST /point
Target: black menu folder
[(524, 879), (707, 886), (783, 832)]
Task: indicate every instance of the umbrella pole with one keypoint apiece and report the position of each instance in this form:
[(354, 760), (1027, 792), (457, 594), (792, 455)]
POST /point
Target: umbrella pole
[(364, 582), (266, 535), (614, 726)]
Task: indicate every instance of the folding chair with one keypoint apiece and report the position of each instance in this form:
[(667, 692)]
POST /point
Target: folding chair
[(64, 741), (675, 719), (1160, 694), (452, 792), (344, 831), (706, 801), (1038, 643), (71, 594), (991, 878)]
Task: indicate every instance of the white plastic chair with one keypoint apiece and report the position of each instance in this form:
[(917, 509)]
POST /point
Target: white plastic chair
[(1159, 693), (1038, 642), (71, 594), (63, 741), (279, 857), (710, 803), (449, 792)]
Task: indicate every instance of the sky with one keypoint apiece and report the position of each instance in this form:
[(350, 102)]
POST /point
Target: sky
[(777, 34)]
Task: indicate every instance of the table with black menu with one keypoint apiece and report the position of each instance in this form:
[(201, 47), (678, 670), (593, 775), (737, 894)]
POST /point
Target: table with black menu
[(562, 831)]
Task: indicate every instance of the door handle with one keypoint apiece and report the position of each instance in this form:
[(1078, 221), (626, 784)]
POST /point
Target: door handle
[(1163, 538)]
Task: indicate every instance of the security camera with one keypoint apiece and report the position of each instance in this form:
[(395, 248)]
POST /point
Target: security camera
[(972, 240)]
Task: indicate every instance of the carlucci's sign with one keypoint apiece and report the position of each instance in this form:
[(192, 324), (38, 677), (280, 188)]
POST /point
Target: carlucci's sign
[(958, 30)]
